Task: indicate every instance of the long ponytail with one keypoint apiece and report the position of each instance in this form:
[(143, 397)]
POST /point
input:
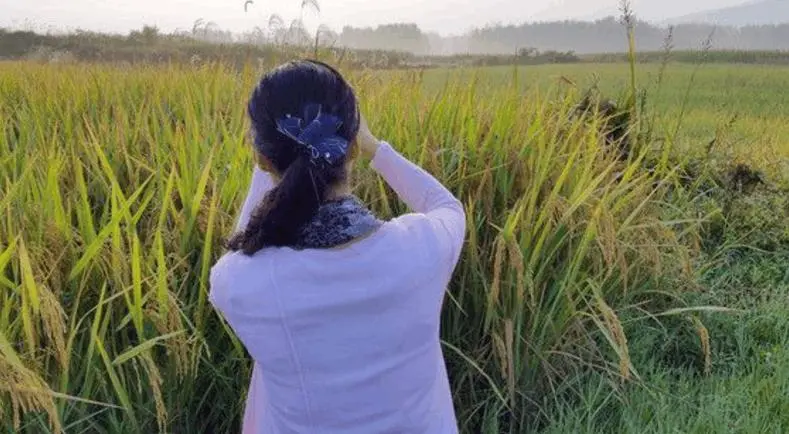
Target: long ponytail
[(280, 216)]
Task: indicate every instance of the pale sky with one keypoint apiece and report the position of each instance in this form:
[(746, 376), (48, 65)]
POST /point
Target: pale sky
[(443, 16)]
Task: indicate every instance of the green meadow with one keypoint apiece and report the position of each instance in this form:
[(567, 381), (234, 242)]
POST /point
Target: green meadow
[(634, 284)]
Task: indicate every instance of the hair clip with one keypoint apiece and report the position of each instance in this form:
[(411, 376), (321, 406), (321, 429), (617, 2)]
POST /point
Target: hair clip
[(316, 132)]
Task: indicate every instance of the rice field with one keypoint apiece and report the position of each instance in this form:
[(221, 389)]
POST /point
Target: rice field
[(595, 293), (741, 104)]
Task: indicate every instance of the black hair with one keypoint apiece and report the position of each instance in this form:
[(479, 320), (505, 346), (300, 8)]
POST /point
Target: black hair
[(303, 187)]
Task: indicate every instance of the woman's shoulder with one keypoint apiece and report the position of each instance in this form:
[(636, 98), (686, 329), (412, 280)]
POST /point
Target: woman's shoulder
[(410, 224), (235, 271), (239, 265), (425, 238), (413, 230), (227, 262)]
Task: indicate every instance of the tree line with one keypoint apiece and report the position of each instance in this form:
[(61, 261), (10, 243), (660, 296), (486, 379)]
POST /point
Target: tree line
[(602, 36), (406, 45)]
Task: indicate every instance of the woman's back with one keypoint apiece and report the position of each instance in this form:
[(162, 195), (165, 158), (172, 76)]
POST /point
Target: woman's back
[(347, 340)]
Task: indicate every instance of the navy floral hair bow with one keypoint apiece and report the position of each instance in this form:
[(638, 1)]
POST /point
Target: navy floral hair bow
[(316, 133)]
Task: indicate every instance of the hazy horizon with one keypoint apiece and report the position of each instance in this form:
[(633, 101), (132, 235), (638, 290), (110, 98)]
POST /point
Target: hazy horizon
[(446, 17)]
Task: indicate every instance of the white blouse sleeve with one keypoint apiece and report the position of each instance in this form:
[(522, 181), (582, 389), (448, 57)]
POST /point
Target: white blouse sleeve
[(262, 183), (440, 209)]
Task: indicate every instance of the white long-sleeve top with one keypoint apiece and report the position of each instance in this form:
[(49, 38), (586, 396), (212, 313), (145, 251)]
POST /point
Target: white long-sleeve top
[(346, 340)]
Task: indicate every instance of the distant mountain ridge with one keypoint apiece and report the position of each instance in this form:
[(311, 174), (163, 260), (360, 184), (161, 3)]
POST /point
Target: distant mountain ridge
[(736, 13), (760, 12)]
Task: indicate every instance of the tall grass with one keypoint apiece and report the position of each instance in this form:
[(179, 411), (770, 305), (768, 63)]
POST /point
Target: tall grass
[(118, 184)]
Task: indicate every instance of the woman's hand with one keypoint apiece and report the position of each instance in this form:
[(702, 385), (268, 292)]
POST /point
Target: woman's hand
[(368, 144)]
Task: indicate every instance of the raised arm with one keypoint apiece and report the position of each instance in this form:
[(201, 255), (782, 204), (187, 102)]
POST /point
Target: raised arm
[(425, 195), (262, 182)]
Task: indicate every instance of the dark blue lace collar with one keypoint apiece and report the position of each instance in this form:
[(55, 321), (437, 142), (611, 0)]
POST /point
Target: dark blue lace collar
[(336, 223)]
